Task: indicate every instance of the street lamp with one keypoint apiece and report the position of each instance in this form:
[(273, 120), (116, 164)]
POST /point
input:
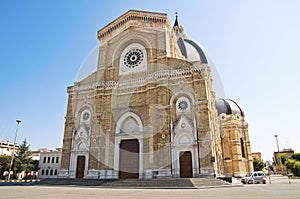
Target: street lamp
[(13, 151), (276, 136)]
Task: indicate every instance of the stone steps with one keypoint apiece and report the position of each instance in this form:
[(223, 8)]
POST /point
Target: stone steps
[(202, 182), (154, 183), (119, 182)]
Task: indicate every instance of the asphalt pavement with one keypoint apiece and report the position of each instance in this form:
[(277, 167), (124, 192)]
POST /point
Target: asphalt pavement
[(278, 189)]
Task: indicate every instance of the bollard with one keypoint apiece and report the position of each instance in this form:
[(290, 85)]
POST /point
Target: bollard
[(290, 176)]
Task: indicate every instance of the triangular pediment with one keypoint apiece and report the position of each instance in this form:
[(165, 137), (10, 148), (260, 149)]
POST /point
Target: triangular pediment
[(183, 124)]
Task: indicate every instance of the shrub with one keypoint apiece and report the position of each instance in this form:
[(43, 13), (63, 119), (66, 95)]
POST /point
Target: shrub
[(296, 170), (294, 166)]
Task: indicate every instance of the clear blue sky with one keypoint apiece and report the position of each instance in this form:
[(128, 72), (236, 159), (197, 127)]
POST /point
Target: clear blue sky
[(255, 45)]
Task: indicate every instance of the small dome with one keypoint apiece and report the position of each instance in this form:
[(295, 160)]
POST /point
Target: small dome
[(191, 51), (194, 52), (228, 107)]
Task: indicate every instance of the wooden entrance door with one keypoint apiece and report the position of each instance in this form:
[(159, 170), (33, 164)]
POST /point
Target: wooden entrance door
[(129, 159), (185, 160), (80, 166)]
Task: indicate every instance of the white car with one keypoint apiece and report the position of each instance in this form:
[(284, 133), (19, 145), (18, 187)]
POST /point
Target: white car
[(254, 178)]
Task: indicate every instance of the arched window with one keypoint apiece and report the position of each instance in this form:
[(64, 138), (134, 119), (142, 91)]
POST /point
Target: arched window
[(242, 147)]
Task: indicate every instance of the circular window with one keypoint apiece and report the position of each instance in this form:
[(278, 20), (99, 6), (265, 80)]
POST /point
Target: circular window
[(183, 125), (133, 58), (183, 105), (86, 116)]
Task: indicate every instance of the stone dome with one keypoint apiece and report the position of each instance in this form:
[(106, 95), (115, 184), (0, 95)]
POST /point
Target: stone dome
[(191, 50), (228, 107)]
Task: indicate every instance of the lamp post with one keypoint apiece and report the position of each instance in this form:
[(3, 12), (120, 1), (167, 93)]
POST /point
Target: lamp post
[(13, 151), (276, 136)]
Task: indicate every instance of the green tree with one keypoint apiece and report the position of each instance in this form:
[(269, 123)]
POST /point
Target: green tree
[(4, 164), (296, 156), (290, 164), (258, 165), (284, 158), (23, 159), (35, 168)]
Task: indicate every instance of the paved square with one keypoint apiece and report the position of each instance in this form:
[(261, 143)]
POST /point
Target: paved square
[(274, 191)]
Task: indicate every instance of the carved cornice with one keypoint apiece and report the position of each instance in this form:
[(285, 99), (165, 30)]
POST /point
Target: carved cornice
[(134, 18), (143, 80)]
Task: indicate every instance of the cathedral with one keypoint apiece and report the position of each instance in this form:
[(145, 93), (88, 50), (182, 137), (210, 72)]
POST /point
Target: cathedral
[(150, 110)]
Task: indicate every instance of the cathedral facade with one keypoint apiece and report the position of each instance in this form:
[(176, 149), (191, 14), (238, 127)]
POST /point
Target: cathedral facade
[(150, 111)]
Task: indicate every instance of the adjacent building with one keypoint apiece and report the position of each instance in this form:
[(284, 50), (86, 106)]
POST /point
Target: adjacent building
[(278, 166), (150, 109), (35, 154), (49, 163), (257, 156), (6, 148)]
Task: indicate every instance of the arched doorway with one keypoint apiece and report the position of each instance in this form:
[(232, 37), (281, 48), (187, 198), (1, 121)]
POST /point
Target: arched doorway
[(185, 161), (80, 167), (129, 159), (185, 157)]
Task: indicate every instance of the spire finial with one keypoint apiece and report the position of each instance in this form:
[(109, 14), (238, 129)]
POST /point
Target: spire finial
[(176, 19)]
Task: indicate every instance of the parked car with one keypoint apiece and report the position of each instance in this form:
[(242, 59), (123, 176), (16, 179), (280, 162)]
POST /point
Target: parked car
[(254, 178)]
